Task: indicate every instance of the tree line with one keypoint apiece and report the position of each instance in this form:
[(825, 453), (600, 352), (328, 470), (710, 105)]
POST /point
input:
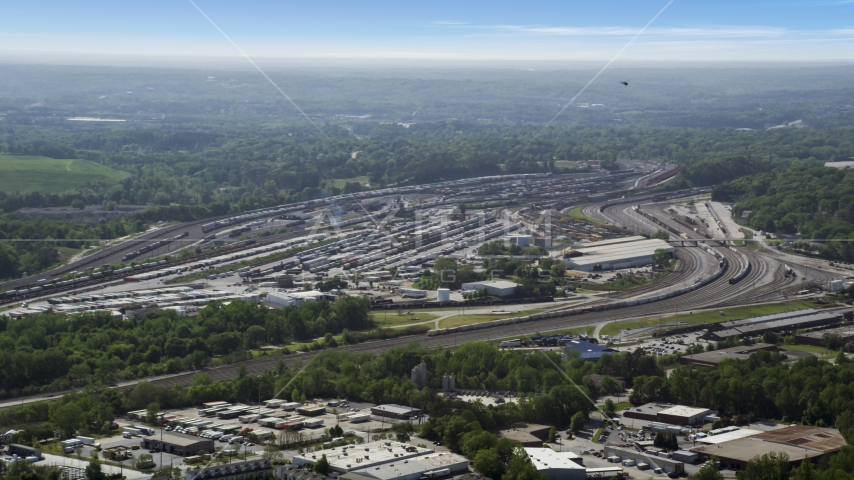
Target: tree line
[(55, 351)]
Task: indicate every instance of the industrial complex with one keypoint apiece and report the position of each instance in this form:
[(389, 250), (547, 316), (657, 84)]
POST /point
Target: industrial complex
[(612, 255), (798, 442), (509, 275)]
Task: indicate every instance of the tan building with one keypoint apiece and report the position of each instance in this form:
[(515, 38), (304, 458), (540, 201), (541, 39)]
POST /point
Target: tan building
[(713, 358), (668, 413), (797, 442), (179, 444), (526, 434)]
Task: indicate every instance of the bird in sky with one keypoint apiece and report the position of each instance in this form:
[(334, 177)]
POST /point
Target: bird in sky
[(625, 83)]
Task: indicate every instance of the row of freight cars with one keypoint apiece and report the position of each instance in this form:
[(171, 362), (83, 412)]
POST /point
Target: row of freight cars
[(580, 311), (267, 212), (79, 280), (225, 259), (154, 246), (404, 259), (715, 216), (388, 304)]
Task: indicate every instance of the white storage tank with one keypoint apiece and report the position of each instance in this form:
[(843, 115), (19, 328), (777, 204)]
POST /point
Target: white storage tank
[(443, 295)]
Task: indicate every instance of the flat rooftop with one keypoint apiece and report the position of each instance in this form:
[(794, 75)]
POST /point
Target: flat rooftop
[(817, 438), (353, 457), (797, 441), (610, 241), (525, 433), (546, 458), (683, 411), (616, 254), (728, 436), (417, 465), (768, 318), (495, 283), (804, 321), (625, 248), (395, 409), (843, 332), (180, 439), (716, 356), (650, 408)]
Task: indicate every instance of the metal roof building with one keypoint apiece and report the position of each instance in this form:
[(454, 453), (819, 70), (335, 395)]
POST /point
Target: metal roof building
[(499, 288), (366, 456), (752, 329), (615, 256), (396, 411), (817, 337), (667, 413), (728, 436), (713, 358), (557, 465), (799, 442), (434, 465), (610, 241), (179, 444)]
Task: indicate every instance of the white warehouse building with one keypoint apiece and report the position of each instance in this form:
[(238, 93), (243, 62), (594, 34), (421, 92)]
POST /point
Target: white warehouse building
[(284, 299), (595, 256), (557, 465), (499, 288)]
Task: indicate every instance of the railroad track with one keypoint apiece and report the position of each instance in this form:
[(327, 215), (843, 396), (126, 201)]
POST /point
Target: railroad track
[(96, 283), (112, 254), (708, 296), (692, 267)]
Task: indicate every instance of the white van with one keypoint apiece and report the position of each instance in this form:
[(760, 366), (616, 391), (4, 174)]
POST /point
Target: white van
[(237, 439), (225, 438)]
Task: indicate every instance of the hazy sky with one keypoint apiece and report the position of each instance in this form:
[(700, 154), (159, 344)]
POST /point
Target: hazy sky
[(696, 30)]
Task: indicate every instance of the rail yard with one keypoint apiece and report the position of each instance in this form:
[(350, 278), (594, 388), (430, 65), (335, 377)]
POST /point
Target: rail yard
[(389, 238)]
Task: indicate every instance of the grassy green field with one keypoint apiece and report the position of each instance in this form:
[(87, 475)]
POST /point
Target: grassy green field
[(578, 213), (810, 348), (21, 173), (588, 329), (339, 182), (458, 320), (711, 316), (65, 253), (624, 283), (392, 319)]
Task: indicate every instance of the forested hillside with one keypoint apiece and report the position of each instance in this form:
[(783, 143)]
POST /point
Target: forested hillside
[(765, 387), (55, 351), (198, 145), (818, 203)]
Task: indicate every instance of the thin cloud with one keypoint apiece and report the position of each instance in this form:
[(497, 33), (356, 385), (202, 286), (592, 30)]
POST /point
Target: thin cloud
[(685, 32)]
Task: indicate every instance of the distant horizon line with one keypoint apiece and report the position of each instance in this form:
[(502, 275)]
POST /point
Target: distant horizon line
[(231, 62)]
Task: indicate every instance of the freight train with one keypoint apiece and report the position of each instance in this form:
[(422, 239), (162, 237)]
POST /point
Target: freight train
[(153, 246)]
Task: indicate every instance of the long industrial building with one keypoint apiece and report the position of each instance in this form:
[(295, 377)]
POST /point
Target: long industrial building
[(799, 442), (607, 255), (714, 357), (557, 465), (751, 327), (668, 413), (820, 337), (368, 455)]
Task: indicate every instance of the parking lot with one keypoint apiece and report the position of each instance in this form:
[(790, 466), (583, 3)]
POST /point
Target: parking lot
[(332, 416), (160, 459)]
